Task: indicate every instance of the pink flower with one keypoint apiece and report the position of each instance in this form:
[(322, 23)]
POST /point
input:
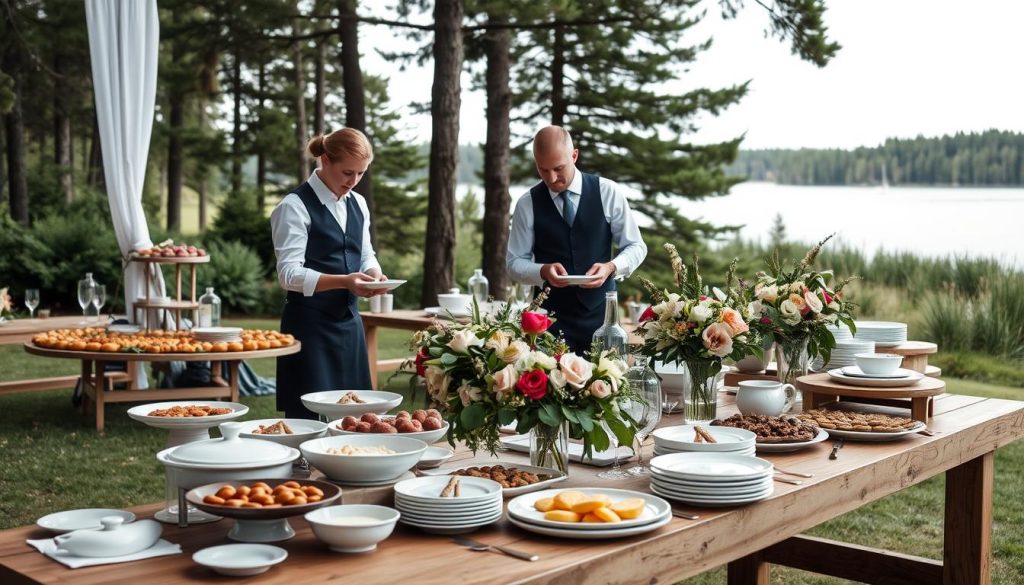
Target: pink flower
[(718, 339), (734, 320), (421, 356), (766, 321), (600, 389), (535, 323), (813, 302), (533, 384), (826, 296)]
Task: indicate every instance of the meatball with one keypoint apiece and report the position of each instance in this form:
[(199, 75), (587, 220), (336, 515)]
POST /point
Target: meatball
[(382, 427), (433, 412), (405, 425), (419, 415), (370, 418), (432, 424), (417, 426), (402, 414), (348, 423), (362, 427)]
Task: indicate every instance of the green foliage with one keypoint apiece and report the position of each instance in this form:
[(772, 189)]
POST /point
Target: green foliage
[(73, 243), (239, 221), (236, 272)]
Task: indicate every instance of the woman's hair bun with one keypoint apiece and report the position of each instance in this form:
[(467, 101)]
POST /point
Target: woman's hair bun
[(316, 146)]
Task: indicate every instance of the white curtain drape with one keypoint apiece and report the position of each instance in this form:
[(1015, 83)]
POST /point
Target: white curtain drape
[(124, 38)]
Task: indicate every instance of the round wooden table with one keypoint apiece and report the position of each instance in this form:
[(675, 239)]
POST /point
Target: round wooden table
[(99, 390), (820, 389)]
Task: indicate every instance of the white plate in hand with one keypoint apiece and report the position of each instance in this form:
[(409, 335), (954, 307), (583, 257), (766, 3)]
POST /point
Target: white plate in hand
[(389, 284), (576, 279)]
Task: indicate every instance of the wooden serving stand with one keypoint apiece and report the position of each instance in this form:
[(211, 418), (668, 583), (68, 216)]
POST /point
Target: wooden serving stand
[(98, 383), (178, 305), (821, 389), (915, 354)]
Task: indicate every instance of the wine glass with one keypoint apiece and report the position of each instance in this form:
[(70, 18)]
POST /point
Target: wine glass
[(99, 297), (32, 301), (616, 472), (85, 293), (648, 389)]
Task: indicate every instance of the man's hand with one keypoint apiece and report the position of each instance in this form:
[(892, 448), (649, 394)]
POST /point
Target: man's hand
[(376, 274), (550, 272), (356, 282), (604, 270)]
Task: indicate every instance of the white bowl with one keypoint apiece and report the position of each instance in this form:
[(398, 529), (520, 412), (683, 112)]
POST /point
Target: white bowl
[(673, 377), (455, 303), (427, 437), (69, 520), (240, 560), (434, 457), (364, 468), (376, 524), (302, 430), (326, 402), (878, 364)]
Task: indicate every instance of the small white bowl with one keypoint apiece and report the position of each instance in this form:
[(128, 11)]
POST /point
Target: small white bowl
[(364, 468), (240, 560), (673, 377), (427, 437), (375, 524), (455, 303), (878, 364), (69, 520), (434, 457), (326, 402), (302, 430)]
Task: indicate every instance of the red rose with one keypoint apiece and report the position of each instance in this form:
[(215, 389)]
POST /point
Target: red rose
[(766, 321), (421, 356), (535, 323), (533, 385), (648, 315), (828, 298)]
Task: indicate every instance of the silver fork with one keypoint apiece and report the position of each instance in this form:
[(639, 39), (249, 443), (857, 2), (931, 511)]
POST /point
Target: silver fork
[(482, 547)]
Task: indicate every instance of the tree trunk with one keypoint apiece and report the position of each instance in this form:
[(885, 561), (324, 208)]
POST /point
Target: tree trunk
[(203, 168), (96, 178), (236, 130), (559, 104), (319, 110), (174, 161), (497, 200), (439, 257), (14, 125), (261, 149), (301, 133), (62, 129), (355, 98)]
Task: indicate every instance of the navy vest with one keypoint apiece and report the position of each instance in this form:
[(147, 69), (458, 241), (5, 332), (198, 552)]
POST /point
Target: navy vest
[(331, 251), (580, 311)]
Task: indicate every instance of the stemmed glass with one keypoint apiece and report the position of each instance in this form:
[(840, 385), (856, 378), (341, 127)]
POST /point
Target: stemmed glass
[(99, 297), (644, 382), (86, 290), (616, 471), (32, 301)]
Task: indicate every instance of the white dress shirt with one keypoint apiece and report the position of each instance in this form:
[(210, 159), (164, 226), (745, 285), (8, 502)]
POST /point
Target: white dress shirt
[(289, 224), (625, 232)]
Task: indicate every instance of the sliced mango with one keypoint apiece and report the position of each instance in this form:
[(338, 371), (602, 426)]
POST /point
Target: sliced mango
[(562, 516), (590, 504), (590, 518), (606, 515), (544, 504), (629, 508), (565, 500)]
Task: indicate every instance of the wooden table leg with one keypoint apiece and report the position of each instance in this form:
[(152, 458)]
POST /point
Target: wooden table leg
[(233, 372), (967, 552), (83, 406), (101, 387), (750, 570), (370, 331), (919, 408)]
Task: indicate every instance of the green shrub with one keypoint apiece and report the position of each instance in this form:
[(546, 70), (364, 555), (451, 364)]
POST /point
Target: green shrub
[(77, 242), (946, 320), (238, 220), (999, 322), (24, 265), (236, 274)]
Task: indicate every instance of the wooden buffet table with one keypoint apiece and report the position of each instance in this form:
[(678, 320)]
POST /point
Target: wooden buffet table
[(98, 382), (747, 538)]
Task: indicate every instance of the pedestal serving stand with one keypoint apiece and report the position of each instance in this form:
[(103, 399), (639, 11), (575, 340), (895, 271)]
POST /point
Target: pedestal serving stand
[(821, 389)]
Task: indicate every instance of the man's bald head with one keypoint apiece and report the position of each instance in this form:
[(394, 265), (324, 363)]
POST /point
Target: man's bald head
[(555, 157)]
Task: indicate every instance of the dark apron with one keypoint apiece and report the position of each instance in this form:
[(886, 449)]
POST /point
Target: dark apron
[(333, 355)]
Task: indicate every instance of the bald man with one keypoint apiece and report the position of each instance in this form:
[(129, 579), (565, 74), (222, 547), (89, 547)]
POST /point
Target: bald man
[(567, 225)]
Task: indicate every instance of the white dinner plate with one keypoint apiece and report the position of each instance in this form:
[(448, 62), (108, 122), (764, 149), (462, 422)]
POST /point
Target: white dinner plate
[(389, 284), (463, 528), (240, 560), (898, 373), (680, 438), (451, 519), (838, 375), (713, 495), (875, 437), (746, 484), (428, 489), (725, 467), (69, 520), (471, 509), (555, 475), (694, 500), (787, 447), (591, 534), (748, 451), (655, 509), (141, 414), (577, 279)]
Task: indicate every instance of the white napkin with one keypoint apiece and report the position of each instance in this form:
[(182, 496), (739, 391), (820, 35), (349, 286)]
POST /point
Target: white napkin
[(49, 548)]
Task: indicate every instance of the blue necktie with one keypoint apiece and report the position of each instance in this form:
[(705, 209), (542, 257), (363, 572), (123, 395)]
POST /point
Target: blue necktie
[(568, 208)]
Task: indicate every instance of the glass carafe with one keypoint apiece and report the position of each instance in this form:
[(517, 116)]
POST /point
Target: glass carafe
[(611, 335), (209, 309), (478, 286)]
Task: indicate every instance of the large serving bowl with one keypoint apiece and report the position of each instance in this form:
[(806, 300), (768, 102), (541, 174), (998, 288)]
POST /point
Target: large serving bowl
[(427, 437), (364, 469), (326, 403), (456, 304), (353, 528), (302, 430)]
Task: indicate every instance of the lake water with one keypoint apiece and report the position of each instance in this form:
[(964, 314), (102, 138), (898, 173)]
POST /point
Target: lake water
[(932, 221)]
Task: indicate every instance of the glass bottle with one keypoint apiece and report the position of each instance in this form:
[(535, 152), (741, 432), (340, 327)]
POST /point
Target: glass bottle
[(209, 309), (478, 286), (611, 335)]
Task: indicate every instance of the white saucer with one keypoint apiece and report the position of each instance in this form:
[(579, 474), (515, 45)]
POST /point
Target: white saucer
[(389, 284), (69, 520), (897, 374), (240, 560), (577, 279), (838, 375)]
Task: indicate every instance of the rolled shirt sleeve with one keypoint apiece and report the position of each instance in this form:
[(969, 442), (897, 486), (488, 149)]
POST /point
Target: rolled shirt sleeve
[(625, 231), (289, 226)]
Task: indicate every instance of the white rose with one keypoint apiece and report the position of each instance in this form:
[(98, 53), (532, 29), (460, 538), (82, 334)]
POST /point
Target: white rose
[(437, 383), (576, 370), (600, 389), (813, 302), (672, 307), (790, 312), (834, 306), (505, 380), (755, 309), (468, 394), (768, 294), (514, 351), (613, 368), (534, 359), (557, 379), (700, 313), (797, 287), (498, 341), (462, 340)]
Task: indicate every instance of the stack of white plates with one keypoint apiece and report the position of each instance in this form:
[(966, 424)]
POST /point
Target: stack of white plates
[(656, 513), (217, 334), (840, 332), (712, 479), (883, 333), (844, 352), (419, 500), (680, 439)]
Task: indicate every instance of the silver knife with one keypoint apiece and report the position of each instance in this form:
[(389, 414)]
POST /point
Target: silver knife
[(480, 546), (835, 449)]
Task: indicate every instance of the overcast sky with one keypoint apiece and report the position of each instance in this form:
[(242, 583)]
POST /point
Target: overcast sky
[(907, 67)]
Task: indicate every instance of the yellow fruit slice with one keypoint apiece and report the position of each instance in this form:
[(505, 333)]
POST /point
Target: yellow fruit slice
[(628, 509), (565, 500), (544, 504), (590, 504), (562, 516), (590, 518), (606, 515)]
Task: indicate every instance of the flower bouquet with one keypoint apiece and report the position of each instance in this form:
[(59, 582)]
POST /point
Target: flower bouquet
[(796, 306), (698, 327), (6, 305), (508, 367)]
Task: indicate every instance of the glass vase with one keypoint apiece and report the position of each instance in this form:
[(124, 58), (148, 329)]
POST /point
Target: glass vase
[(549, 446), (791, 359), (702, 402)]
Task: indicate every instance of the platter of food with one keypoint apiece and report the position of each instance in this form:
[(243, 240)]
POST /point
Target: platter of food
[(425, 425), (776, 434), (515, 479), (589, 513), (336, 404), (100, 339), (862, 426)]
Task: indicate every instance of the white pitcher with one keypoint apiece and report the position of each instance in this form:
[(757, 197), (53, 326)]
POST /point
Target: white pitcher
[(767, 397)]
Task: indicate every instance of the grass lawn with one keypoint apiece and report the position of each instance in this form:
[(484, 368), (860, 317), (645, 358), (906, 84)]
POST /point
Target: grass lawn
[(52, 459)]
